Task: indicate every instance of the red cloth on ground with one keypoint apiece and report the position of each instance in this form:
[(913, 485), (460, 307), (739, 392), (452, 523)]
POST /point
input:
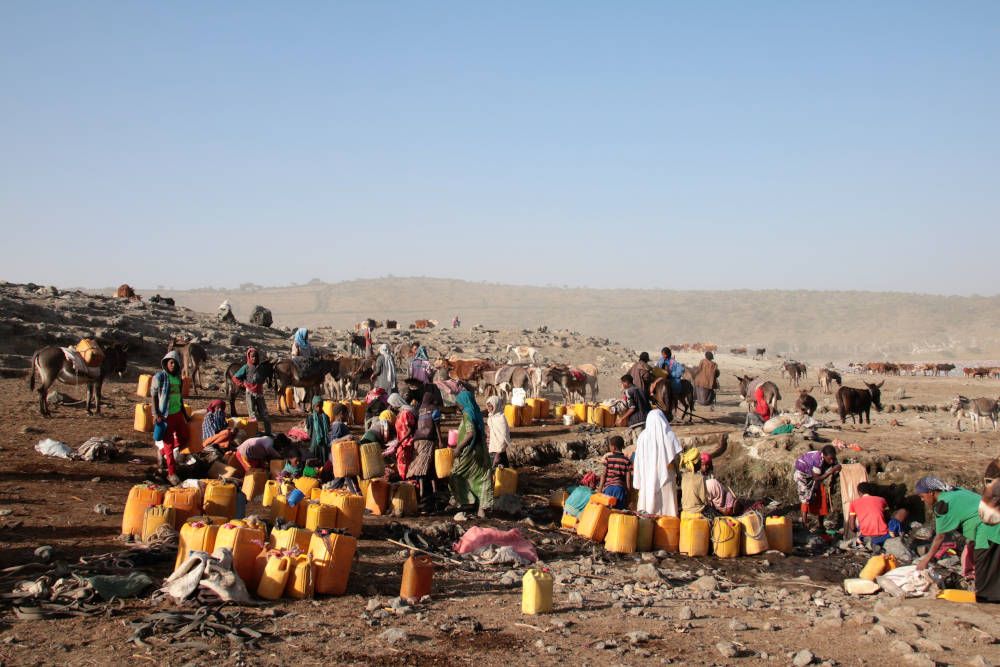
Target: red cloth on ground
[(476, 538)]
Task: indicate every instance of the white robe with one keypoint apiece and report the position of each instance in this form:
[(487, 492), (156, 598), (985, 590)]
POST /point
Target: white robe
[(654, 477)]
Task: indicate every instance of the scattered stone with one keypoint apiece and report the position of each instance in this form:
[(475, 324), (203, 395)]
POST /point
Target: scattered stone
[(95, 480), (394, 636), (803, 658), (901, 647), (928, 645), (575, 599), (737, 625), (638, 637), (29, 430), (373, 604), (101, 508), (919, 659), (685, 613), (460, 517), (706, 584), (979, 661), (44, 553), (727, 649), (646, 572)]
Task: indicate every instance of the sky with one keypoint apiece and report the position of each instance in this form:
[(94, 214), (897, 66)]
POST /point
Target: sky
[(717, 145)]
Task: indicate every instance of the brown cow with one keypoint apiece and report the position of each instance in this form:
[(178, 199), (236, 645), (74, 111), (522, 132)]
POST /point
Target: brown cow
[(738, 350), (469, 371), (125, 291)]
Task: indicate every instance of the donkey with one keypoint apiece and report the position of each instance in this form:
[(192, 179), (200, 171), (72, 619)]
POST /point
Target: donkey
[(288, 374), (827, 377), (749, 384), (51, 364), (662, 393), (193, 355), (563, 376)]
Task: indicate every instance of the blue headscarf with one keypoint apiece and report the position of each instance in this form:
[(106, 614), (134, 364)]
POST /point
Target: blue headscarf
[(467, 402), (421, 353), (301, 340)]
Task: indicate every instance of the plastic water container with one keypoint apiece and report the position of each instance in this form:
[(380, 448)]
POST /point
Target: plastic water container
[(140, 498), (778, 530), (300, 578), (351, 511), (504, 482), (332, 556), (404, 500), (644, 538), (274, 578), (372, 462), (536, 592), (754, 535), (346, 459), (444, 461), (320, 516), (195, 536), (377, 497), (245, 543), (154, 518), (667, 533), (418, 576), (568, 419), (185, 501), (593, 523), (726, 532), (694, 537), (145, 386), (623, 533), (143, 422)]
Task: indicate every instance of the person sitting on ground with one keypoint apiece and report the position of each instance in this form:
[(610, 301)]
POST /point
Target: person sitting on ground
[(251, 378), (810, 470), (216, 436), (694, 495), (720, 496), (338, 427), (897, 522), (167, 406), (260, 451), (642, 377), (758, 411), (617, 476), (318, 428), (866, 515), (636, 404), (294, 465), (498, 432), (706, 380)]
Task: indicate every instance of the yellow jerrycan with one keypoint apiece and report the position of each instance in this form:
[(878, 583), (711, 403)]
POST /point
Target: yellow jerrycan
[(778, 530), (754, 534), (274, 578), (667, 533), (300, 578), (694, 537), (726, 532), (623, 533), (536, 592), (332, 555)]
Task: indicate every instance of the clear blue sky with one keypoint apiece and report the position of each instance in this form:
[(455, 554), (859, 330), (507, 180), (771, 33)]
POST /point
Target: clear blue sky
[(848, 145)]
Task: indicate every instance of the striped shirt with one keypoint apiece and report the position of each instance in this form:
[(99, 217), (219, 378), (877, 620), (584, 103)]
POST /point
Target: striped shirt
[(616, 467)]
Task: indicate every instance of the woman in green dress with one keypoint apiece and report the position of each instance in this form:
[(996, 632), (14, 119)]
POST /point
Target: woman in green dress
[(471, 477)]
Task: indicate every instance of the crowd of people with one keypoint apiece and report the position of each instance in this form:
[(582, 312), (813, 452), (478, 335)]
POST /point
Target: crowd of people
[(648, 469)]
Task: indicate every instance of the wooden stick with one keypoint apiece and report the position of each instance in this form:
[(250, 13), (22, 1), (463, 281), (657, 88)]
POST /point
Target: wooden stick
[(423, 551)]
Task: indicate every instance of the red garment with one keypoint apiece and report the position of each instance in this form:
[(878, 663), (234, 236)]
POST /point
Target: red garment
[(176, 437), (406, 424), (870, 511), (819, 505), (761, 408)]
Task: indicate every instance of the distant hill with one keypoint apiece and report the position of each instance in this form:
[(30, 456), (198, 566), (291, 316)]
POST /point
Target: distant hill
[(806, 324)]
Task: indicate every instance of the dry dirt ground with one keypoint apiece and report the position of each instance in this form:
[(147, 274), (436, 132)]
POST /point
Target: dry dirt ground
[(766, 606)]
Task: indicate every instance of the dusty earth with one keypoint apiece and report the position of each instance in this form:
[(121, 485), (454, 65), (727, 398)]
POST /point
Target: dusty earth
[(609, 608)]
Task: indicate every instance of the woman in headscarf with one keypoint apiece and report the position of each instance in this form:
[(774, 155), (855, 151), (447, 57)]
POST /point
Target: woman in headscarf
[(471, 476), (375, 403), (384, 371), (406, 424), (420, 366), (953, 509), (426, 438), (719, 495), (694, 494), (653, 475), (318, 427)]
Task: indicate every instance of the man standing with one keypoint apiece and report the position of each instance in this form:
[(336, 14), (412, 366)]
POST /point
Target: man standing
[(167, 404), (642, 377)]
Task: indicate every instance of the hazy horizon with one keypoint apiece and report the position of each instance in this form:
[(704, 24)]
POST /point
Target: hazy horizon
[(769, 145)]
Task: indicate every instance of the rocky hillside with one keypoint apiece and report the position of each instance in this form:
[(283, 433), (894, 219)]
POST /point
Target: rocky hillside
[(804, 324), (32, 316)]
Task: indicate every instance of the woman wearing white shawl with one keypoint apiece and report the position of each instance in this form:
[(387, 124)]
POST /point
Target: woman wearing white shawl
[(653, 475), (384, 372)]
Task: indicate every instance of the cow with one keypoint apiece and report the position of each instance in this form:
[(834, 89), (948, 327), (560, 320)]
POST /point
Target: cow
[(858, 402), (125, 291), (51, 365), (975, 409), (805, 403), (234, 390), (943, 369), (827, 377), (468, 371), (759, 353), (572, 381), (523, 352), (738, 350), (165, 300), (391, 324), (422, 324), (749, 384), (193, 355)]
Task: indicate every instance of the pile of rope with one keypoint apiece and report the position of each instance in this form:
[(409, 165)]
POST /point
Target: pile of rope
[(204, 622)]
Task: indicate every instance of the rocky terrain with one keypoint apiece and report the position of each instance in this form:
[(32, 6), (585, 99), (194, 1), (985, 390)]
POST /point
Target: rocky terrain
[(650, 608)]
